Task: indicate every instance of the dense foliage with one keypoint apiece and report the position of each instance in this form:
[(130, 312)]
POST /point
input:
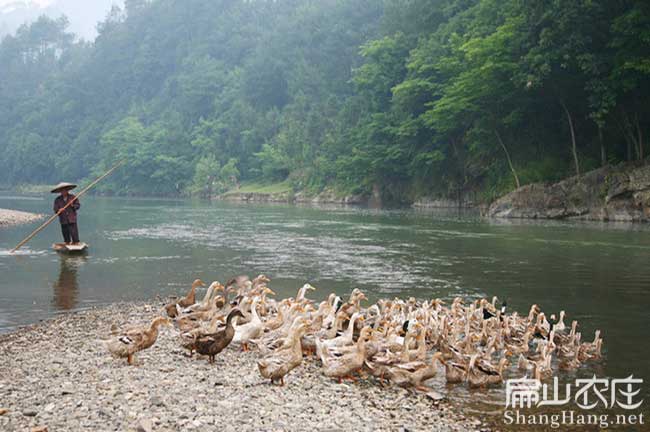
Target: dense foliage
[(409, 97)]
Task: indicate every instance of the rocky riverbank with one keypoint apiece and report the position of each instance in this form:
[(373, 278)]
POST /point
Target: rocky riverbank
[(444, 203), (326, 197), (58, 375), (15, 217), (612, 193)]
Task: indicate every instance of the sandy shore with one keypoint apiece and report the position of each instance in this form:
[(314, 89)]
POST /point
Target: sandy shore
[(58, 374), (15, 217)]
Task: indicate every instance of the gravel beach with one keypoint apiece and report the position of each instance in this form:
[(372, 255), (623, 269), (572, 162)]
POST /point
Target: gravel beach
[(15, 217), (58, 374)]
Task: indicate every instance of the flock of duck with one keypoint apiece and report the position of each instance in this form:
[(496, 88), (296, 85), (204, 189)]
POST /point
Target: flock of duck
[(404, 342)]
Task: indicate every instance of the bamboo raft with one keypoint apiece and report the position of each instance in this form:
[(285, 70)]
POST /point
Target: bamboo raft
[(64, 248)]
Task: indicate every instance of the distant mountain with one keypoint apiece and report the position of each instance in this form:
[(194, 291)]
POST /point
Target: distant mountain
[(83, 14)]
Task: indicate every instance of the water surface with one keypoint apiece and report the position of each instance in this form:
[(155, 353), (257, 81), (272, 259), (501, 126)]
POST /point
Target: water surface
[(598, 273)]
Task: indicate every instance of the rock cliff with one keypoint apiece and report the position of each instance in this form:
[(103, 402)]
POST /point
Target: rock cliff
[(612, 193)]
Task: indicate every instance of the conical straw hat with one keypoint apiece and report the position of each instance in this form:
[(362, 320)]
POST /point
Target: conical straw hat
[(63, 185)]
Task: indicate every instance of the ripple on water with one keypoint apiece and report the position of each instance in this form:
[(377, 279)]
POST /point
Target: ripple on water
[(583, 243), (22, 252), (156, 258), (389, 267)]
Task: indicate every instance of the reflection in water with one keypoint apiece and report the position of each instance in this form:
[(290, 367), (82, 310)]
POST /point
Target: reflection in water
[(66, 286)]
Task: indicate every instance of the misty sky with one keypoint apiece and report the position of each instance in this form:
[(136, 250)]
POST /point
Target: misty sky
[(82, 14), (41, 2)]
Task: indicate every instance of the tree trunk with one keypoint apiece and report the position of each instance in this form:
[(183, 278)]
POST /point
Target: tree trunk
[(639, 140), (505, 150), (462, 177), (631, 139), (603, 152), (573, 138)]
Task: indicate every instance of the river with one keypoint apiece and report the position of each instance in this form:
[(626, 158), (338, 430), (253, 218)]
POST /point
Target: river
[(599, 273)]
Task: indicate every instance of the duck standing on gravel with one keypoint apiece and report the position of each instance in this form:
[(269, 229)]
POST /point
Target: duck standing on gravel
[(135, 339), (403, 341), (184, 302), (251, 330), (287, 357), (212, 344)]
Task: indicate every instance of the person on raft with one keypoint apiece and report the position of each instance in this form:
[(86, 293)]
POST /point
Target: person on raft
[(67, 218)]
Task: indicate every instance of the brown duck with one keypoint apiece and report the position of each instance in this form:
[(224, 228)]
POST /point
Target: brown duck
[(212, 344), (186, 301), (135, 339)]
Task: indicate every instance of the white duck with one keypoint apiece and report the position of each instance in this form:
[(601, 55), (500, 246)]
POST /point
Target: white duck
[(251, 330), (344, 339), (204, 304), (302, 292)]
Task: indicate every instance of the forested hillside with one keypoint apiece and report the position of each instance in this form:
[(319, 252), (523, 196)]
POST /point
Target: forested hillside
[(410, 97)]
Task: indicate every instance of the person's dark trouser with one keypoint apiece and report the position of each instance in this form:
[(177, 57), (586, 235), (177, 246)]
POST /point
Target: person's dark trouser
[(70, 233)]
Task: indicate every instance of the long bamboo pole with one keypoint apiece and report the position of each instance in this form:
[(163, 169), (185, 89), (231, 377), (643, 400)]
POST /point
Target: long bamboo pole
[(86, 189)]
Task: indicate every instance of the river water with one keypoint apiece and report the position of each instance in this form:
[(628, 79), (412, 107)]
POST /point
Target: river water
[(599, 273)]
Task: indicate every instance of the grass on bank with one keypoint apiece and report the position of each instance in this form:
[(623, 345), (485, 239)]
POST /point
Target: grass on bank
[(29, 188), (265, 188)]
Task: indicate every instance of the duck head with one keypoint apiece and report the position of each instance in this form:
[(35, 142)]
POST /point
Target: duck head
[(260, 280), (198, 283), (234, 313), (158, 321), (405, 327), (366, 334)]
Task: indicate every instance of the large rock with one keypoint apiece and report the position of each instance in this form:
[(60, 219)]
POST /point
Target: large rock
[(617, 193)]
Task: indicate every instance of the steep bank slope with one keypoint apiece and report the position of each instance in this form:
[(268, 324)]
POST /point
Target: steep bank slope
[(612, 193)]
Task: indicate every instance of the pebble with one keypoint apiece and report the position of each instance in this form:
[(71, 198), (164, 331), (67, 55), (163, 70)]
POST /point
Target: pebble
[(145, 425), (15, 217), (166, 392)]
